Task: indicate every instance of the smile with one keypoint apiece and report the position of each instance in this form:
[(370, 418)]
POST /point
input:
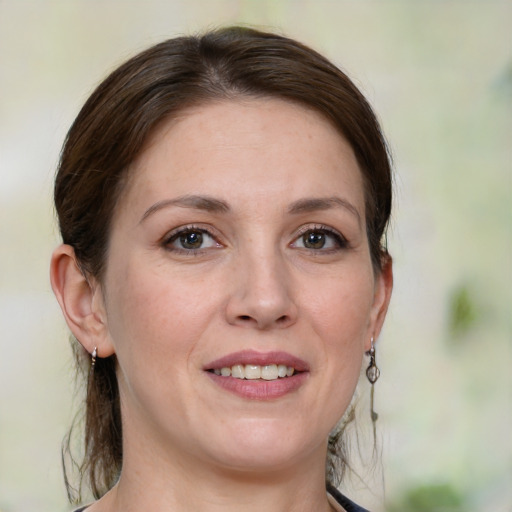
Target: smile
[(255, 375), (256, 371)]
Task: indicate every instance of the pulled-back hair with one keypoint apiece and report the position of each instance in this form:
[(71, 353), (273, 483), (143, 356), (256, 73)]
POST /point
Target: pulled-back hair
[(114, 125)]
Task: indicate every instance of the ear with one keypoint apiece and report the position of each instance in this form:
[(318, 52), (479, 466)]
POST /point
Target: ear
[(81, 300), (381, 298)]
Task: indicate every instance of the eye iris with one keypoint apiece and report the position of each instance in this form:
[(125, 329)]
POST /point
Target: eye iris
[(192, 240), (314, 240)]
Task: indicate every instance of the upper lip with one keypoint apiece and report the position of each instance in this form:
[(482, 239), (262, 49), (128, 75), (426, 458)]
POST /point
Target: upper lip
[(258, 358)]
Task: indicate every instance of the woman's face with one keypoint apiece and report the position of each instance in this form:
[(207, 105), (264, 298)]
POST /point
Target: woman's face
[(239, 246)]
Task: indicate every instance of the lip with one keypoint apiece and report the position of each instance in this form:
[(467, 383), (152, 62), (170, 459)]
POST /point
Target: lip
[(259, 389), (259, 358)]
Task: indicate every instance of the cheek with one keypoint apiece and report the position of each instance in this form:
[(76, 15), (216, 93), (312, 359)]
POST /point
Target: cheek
[(156, 330), (154, 321), (340, 316), (342, 309)]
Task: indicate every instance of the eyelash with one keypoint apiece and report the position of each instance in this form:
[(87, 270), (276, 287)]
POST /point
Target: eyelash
[(184, 230), (339, 240)]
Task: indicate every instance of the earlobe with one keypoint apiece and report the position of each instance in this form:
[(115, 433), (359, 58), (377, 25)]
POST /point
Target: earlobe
[(81, 301), (382, 297)]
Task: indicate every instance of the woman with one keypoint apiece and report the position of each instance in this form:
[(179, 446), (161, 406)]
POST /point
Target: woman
[(222, 202)]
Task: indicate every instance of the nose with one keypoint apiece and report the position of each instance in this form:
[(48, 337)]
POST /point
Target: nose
[(262, 295)]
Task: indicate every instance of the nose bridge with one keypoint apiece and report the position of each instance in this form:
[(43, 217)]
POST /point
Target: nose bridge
[(263, 292)]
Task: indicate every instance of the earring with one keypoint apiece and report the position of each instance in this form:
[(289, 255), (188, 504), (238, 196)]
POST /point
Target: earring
[(93, 358), (372, 372)]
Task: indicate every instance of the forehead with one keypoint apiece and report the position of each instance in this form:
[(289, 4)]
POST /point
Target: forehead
[(222, 147)]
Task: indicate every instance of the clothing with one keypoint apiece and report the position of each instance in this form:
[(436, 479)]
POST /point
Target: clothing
[(338, 498), (348, 505)]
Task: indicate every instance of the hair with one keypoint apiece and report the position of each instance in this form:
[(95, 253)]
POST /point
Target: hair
[(112, 129)]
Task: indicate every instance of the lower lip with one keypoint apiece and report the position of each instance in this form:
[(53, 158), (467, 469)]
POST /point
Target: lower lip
[(259, 389)]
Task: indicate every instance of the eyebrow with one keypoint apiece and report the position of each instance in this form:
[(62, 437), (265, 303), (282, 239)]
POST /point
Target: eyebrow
[(210, 204), (323, 203), (205, 203)]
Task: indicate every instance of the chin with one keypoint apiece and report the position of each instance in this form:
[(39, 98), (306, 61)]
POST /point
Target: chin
[(263, 446)]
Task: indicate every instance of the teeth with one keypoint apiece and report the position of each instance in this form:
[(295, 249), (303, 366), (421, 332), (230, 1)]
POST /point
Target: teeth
[(269, 372), (281, 370), (255, 371), (238, 371), (252, 371), (225, 372)]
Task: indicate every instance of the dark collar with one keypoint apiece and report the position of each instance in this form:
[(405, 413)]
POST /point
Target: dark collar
[(347, 504)]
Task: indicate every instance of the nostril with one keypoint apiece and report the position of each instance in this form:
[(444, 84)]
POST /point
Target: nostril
[(283, 319), (245, 317)]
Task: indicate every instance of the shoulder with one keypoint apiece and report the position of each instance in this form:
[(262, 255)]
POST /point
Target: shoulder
[(347, 504)]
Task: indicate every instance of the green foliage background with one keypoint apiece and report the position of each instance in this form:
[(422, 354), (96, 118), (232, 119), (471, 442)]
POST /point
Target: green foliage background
[(440, 75)]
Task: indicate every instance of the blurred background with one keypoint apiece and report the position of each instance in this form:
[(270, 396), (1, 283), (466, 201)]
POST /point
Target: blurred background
[(439, 74)]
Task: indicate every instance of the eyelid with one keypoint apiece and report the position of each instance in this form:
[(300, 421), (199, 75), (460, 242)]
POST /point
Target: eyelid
[(172, 235), (341, 240)]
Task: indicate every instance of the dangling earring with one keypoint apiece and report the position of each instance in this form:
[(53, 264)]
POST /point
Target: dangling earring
[(93, 358), (372, 373)]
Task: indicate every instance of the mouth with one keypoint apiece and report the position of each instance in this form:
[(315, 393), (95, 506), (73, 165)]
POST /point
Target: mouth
[(256, 375)]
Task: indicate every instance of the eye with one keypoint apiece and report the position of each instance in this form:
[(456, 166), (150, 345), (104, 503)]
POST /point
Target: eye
[(190, 239), (321, 238), (314, 240)]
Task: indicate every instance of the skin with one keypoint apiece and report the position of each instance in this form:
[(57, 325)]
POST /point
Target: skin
[(255, 283)]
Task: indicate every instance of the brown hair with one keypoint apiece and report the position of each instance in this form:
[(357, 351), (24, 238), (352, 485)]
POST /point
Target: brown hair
[(115, 123)]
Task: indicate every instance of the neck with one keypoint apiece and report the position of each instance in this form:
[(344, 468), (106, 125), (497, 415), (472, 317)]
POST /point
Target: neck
[(159, 482), (218, 492)]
